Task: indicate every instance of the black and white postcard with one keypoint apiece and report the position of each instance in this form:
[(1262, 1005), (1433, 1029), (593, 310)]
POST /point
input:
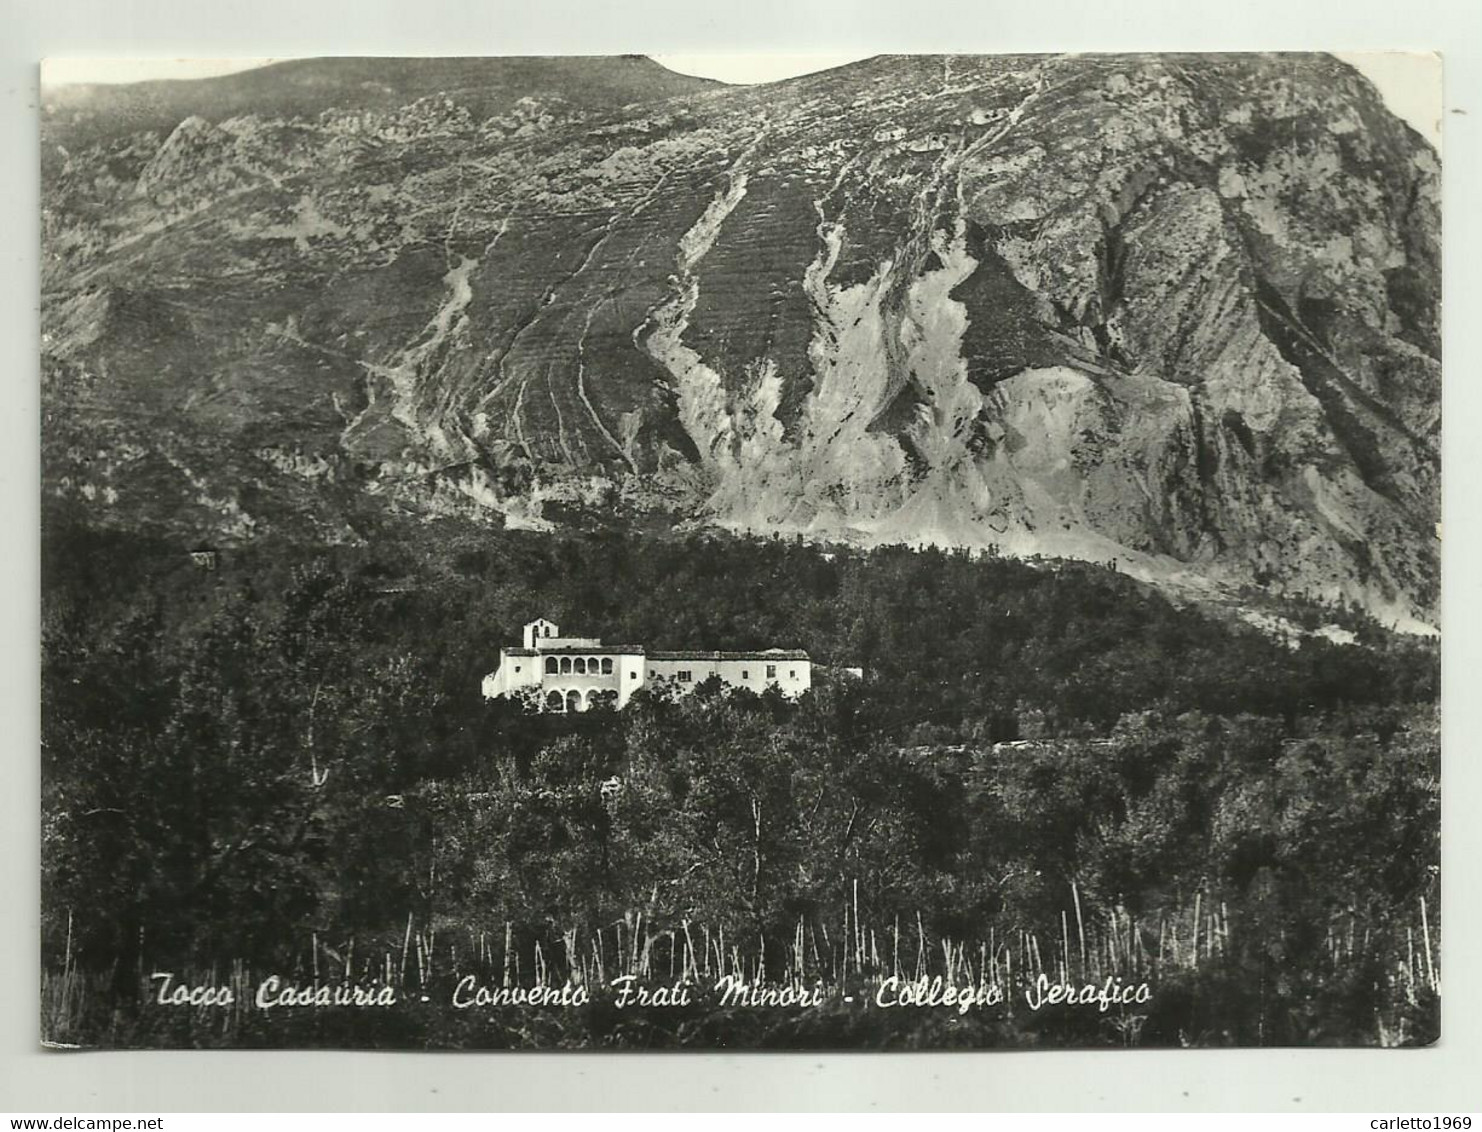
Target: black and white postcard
[(564, 553)]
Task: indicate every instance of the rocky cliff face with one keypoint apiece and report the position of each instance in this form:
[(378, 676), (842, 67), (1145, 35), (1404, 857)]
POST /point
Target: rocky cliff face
[(1180, 312)]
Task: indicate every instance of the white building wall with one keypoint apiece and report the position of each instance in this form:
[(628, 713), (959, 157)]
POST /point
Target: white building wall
[(625, 678), (513, 673), (792, 676), (630, 676), (665, 673)]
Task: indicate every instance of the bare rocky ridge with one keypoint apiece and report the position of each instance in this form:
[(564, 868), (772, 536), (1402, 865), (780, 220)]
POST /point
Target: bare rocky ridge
[(1179, 312)]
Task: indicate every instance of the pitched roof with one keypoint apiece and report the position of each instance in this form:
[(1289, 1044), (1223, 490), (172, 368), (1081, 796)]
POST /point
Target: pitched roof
[(767, 654), (588, 650)]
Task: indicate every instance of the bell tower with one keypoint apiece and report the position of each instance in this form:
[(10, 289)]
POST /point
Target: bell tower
[(538, 630)]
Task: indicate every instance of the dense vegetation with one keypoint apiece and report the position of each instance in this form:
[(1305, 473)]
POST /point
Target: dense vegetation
[(285, 765)]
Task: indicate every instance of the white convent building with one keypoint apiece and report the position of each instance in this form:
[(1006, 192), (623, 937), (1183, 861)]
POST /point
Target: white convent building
[(577, 673)]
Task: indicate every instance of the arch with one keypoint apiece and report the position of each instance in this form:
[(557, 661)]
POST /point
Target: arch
[(565, 664), (592, 665), (579, 666), (607, 666), (573, 700), (554, 702), (552, 665)]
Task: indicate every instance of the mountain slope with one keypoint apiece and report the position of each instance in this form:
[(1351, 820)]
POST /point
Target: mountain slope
[(1180, 312), (80, 114)]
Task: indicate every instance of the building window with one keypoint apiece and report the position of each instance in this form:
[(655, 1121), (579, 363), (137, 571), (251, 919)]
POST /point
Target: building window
[(771, 672), (517, 668), (632, 676), (573, 700), (745, 675), (552, 665), (683, 676), (607, 666), (580, 664), (792, 673), (565, 664), (554, 702)]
